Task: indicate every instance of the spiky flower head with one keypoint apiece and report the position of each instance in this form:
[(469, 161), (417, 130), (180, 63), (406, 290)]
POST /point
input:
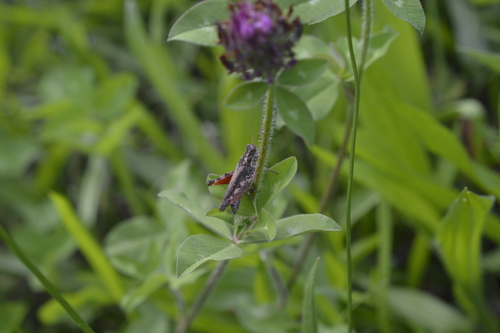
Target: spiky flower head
[(258, 39)]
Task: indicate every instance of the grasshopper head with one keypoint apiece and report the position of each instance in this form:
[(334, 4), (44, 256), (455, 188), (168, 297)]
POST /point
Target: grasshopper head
[(249, 158)]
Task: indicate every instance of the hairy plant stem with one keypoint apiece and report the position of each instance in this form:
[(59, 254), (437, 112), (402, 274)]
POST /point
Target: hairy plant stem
[(266, 134), (186, 321), (265, 144), (366, 34), (44, 281), (351, 168), (332, 181)]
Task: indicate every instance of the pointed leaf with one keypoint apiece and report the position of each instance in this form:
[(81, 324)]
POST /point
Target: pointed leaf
[(197, 25), (138, 294), (274, 182), (296, 114), (197, 249), (191, 207), (408, 10), (303, 72), (320, 96), (459, 236), (303, 223), (246, 95), (316, 11), (309, 320), (433, 314), (309, 46), (266, 224), (296, 225), (459, 239), (133, 246), (379, 45)]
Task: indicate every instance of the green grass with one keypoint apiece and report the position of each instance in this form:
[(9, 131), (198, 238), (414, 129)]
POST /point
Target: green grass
[(99, 114)]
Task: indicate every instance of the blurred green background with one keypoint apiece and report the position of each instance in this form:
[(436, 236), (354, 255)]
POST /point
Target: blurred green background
[(97, 110)]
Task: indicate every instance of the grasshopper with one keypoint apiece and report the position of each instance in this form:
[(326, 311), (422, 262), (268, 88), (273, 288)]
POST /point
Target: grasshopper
[(240, 180)]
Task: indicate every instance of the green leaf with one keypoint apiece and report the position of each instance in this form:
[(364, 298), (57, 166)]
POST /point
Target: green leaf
[(303, 72), (427, 311), (459, 239), (273, 183), (320, 96), (11, 316), (309, 46), (148, 319), (246, 95), (393, 189), (379, 45), (296, 114), (191, 207), (266, 224), (114, 94), (489, 59), (408, 10), (296, 225), (139, 293), (93, 183), (89, 247), (304, 223), (197, 25), (197, 249), (309, 320), (134, 246), (316, 11), (17, 154), (225, 216), (262, 290), (437, 137), (265, 318)]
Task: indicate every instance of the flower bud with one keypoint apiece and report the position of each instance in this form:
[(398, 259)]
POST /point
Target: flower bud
[(258, 39)]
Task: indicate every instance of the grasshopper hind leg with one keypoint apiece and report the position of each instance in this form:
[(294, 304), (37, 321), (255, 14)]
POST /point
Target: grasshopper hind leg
[(235, 205)]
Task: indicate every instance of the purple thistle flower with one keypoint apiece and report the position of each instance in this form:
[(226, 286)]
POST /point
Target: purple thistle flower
[(258, 39)]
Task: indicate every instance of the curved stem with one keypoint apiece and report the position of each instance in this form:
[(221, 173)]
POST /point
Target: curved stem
[(185, 322), (44, 281), (266, 134), (351, 168)]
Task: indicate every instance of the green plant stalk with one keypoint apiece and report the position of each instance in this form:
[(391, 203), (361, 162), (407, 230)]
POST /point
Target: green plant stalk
[(266, 134), (51, 289), (351, 168), (384, 228), (185, 322)]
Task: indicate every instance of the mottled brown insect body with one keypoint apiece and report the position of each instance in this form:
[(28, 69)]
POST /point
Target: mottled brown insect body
[(240, 180)]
